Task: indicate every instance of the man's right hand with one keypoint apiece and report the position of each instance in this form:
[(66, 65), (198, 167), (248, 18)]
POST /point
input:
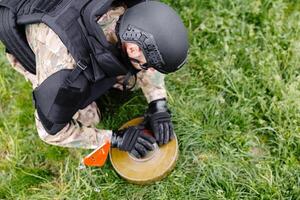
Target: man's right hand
[(133, 140)]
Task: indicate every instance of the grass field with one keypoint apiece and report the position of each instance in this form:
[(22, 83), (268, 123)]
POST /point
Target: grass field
[(236, 108)]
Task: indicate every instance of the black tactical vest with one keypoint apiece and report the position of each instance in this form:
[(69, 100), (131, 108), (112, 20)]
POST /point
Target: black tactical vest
[(98, 62)]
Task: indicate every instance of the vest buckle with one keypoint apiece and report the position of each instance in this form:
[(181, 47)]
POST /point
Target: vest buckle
[(82, 65)]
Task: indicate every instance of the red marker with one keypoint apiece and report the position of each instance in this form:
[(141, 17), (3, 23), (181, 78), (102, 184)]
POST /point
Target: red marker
[(98, 157)]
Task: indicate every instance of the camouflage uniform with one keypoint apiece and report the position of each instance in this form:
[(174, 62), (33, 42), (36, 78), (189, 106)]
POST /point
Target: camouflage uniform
[(53, 56)]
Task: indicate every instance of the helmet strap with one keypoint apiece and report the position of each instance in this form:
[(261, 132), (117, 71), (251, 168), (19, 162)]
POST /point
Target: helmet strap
[(148, 45), (132, 72)]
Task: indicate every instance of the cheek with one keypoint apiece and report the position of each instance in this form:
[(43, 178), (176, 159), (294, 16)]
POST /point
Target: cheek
[(143, 58)]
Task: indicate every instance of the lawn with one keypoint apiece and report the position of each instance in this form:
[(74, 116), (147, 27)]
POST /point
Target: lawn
[(236, 107)]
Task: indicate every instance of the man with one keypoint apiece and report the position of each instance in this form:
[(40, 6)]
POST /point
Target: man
[(59, 79)]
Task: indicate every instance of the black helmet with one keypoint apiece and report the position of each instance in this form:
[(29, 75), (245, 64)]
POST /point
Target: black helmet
[(158, 30)]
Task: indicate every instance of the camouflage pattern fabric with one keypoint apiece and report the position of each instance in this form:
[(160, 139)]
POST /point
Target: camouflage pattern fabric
[(52, 56)]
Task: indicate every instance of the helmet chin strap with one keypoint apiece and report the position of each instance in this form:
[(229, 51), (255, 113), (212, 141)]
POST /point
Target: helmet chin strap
[(132, 72), (143, 66)]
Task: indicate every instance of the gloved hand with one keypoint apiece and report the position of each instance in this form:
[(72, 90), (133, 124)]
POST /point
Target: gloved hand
[(158, 120), (133, 140)]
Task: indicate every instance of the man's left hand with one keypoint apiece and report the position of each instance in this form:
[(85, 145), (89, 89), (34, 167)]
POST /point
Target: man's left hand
[(158, 120)]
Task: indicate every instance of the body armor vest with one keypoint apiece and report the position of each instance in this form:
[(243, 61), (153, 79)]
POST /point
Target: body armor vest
[(98, 62)]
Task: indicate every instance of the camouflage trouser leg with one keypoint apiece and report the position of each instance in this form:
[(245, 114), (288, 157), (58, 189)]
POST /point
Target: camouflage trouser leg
[(80, 132)]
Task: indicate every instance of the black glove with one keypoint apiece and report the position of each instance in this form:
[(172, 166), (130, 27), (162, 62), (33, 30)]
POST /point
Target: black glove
[(158, 120), (133, 140)]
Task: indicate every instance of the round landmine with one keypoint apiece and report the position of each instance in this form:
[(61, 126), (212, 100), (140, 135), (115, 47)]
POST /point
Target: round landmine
[(154, 167)]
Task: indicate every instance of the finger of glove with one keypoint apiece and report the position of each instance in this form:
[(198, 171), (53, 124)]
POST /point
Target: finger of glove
[(172, 134), (135, 153), (141, 149), (161, 134), (166, 133), (148, 138), (155, 129), (129, 139), (149, 146)]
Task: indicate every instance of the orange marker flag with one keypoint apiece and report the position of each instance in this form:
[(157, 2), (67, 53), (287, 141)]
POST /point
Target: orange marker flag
[(98, 157)]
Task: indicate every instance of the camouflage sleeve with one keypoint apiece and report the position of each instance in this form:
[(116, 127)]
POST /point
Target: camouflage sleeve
[(108, 23), (52, 56), (152, 84), (19, 68)]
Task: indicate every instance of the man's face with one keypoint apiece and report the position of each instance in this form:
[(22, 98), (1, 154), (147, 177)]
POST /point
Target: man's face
[(135, 53)]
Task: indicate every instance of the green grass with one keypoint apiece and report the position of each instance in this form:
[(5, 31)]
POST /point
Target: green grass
[(236, 108)]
